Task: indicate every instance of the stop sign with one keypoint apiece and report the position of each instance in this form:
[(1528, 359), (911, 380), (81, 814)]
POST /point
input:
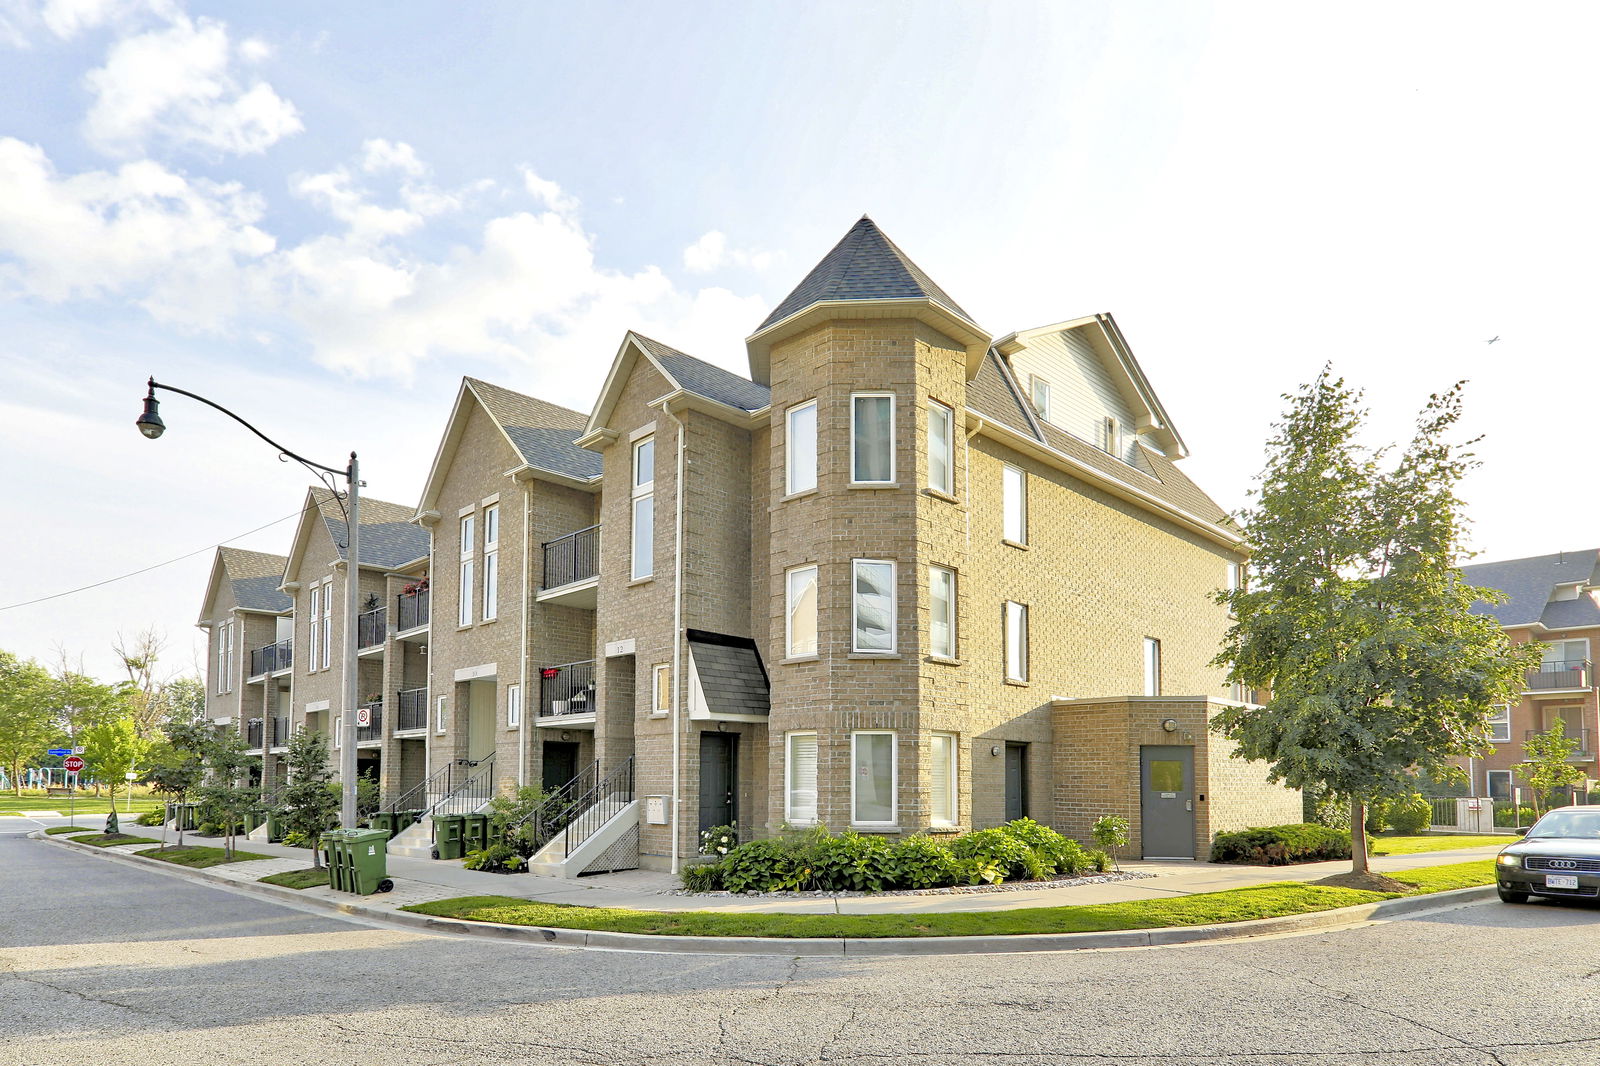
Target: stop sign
[(73, 763)]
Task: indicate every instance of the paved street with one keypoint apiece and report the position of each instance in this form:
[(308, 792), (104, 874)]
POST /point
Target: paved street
[(103, 963)]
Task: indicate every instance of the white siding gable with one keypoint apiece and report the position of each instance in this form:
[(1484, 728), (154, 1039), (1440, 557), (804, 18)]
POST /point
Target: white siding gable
[(1083, 393)]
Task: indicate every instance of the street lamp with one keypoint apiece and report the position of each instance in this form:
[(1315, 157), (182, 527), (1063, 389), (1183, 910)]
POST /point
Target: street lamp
[(151, 426)]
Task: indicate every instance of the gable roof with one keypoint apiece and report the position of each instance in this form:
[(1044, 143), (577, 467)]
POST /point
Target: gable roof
[(1529, 584), (253, 578), (389, 539), (683, 374)]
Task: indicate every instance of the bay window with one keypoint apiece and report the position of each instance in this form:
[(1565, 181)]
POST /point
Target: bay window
[(872, 438), (872, 778), (872, 606)]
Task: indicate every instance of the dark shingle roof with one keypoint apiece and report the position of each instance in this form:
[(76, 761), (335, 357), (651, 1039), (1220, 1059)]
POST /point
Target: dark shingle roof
[(994, 395), (255, 577), (388, 536), (1529, 583), (704, 379), (542, 432), (864, 265), (731, 674)]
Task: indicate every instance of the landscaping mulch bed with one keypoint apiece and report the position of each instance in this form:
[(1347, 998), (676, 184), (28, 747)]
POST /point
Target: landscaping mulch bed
[(954, 890)]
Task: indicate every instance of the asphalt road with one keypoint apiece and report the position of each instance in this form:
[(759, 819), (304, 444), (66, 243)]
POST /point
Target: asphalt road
[(110, 965)]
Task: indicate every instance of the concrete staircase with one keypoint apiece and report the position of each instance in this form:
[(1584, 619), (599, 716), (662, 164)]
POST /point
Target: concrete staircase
[(617, 814), (415, 840)]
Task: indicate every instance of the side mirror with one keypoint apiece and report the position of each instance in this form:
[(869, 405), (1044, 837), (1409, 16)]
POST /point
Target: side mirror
[(1524, 831)]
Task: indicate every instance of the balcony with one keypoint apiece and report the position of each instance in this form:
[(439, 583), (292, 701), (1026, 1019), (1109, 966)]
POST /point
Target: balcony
[(1566, 676), (271, 659), (412, 710), (572, 569), (411, 609), (280, 731), (372, 629), (1584, 752), (566, 693), (252, 735), (372, 732)]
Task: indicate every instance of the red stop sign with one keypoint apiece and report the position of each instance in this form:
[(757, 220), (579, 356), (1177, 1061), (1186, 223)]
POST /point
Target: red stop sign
[(73, 763)]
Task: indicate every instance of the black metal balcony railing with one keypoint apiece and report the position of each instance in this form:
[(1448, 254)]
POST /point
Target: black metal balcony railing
[(252, 734), (411, 709), (271, 658), (1572, 673), (373, 730), (574, 557), (280, 731), (567, 689), (372, 627), (1585, 745), (413, 610)]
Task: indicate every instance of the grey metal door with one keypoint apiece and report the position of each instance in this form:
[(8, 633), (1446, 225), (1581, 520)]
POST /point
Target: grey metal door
[(1016, 781), (717, 780), (560, 764), (1166, 804)]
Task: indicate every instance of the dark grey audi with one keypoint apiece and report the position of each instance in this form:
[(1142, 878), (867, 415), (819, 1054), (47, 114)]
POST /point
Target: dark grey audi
[(1559, 858)]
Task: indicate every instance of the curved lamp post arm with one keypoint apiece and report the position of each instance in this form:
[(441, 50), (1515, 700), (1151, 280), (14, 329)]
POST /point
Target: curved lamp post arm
[(154, 385)]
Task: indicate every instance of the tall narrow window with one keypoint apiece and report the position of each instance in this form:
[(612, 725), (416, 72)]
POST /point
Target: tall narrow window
[(1041, 396), (1152, 666), (513, 706), (661, 687), (338, 731), (1500, 723), (1014, 504), (873, 605), (644, 508), (800, 780), (872, 438), (1235, 574), (228, 644), (316, 626), (941, 447), (872, 779), (1111, 439), (801, 443), (942, 767), (439, 717), (464, 589), (801, 610), (942, 606), (491, 561), (327, 623), (1016, 624)]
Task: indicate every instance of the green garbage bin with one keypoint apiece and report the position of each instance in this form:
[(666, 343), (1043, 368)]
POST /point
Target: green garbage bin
[(253, 819), (447, 835), (274, 826), (475, 832), (368, 861), (383, 820), (404, 820), (172, 812), (333, 846), (186, 816)]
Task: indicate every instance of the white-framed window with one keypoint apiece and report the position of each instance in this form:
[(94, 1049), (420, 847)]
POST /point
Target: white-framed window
[(1111, 435), (1499, 783), (1235, 577), (327, 623), (513, 706), (229, 645), (1500, 723), (1152, 666), (801, 445), (491, 561), (338, 731), (1565, 656), (800, 779), (942, 611), (644, 508), (661, 688), (1016, 641), (800, 611), (1039, 389), (872, 438), (469, 531), (224, 657), (1014, 504), (439, 716), (872, 608), (873, 778), (316, 626), (941, 447), (942, 758)]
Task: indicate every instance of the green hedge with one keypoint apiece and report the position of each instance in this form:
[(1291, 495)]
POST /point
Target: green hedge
[(817, 860), (1280, 845), (1410, 815)]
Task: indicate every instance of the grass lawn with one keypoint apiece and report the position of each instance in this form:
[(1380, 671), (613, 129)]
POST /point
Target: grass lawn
[(298, 878), (87, 803), (58, 829), (1237, 905), (1411, 845), (200, 858), (103, 840)]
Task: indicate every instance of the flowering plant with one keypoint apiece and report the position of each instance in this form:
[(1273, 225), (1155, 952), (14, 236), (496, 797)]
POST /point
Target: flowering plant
[(719, 839)]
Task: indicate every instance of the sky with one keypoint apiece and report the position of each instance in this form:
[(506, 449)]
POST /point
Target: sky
[(323, 215)]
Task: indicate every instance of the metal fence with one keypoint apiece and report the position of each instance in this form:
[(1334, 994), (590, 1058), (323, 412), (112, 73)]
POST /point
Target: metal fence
[(574, 557), (413, 610), (411, 705), (372, 627)]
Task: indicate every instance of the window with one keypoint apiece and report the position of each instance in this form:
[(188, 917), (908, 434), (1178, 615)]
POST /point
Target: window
[(873, 606), (1499, 782), (1111, 436), (800, 780), (439, 716), (1014, 502), (801, 611), (327, 623), (1152, 666), (644, 508), (1565, 656), (513, 706), (338, 731), (941, 448), (872, 779), (1500, 723), (1235, 577), (224, 657), (1016, 625), (872, 438), (942, 607), (942, 759), (491, 561), (316, 626), (464, 588), (661, 686), (802, 448), (1040, 388)]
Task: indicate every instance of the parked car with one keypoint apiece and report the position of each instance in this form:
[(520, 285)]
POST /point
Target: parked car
[(1559, 857)]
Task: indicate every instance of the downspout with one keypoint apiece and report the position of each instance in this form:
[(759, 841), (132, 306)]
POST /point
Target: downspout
[(524, 726), (677, 646)]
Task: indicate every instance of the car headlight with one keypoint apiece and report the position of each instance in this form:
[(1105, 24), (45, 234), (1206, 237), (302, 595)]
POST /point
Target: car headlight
[(1509, 860)]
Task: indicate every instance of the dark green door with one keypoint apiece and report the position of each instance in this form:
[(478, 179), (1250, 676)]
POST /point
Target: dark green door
[(1166, 807), (560, 764), (718, 783), (1016, 781)]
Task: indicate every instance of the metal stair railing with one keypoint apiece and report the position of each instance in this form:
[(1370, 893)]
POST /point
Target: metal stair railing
[(616, 785), (421, 795), (557, 809), (472, 793)]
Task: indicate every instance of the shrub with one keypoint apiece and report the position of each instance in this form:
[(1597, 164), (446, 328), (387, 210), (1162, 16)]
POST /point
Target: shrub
[(1410, 814), (1326, 809), (499, 858), (1053, 853), (772, 865), (1378, 815), (702, 876), (1280, 845), (849, 862), (510, 818), (1506, 816), (1099, 861), (1593, 797), (719, 839), (996, 847), (923, 862), (155, 817), (296, 839)]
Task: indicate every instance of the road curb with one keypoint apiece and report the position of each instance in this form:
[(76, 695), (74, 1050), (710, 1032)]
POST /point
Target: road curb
[(1170, 936)]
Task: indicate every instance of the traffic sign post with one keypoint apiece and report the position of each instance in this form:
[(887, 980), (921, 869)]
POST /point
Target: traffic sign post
[(59, 751), (73, 764)]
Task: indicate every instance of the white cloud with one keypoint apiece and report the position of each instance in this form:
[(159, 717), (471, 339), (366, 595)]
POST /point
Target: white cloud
[(378, 155), (548, 193), (712, 251), (177, 84)]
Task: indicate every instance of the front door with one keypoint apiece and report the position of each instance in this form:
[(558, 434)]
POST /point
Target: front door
[(717, 780), (1016, 781), (1166, 804), (560, 764)]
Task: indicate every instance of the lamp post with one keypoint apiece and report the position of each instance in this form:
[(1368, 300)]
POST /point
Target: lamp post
[(151, 426)]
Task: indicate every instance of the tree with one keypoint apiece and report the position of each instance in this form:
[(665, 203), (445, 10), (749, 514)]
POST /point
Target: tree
[(112, 750), (1548, 767), (139, 655), (177, 766), (182, 700), (310, 807), (1356, 620), (223, 794), (27, 715)]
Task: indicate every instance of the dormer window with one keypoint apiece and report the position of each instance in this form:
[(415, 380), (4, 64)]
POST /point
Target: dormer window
[(1039, 390), (1111, 435)]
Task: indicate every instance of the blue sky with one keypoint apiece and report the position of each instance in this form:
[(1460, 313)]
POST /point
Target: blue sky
[(323, 215)]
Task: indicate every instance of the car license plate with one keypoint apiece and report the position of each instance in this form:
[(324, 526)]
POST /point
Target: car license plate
[(1561, 881)]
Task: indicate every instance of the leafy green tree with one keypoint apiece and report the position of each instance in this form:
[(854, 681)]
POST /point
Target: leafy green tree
[(1357, 620), (226, 791), (182, 700), (178, 765), (112, 750), (1548, 767), (28, 723), (310, 807)]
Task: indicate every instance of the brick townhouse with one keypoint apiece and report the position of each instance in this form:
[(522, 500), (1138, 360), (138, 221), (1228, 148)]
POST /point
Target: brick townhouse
[(905, 577)]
